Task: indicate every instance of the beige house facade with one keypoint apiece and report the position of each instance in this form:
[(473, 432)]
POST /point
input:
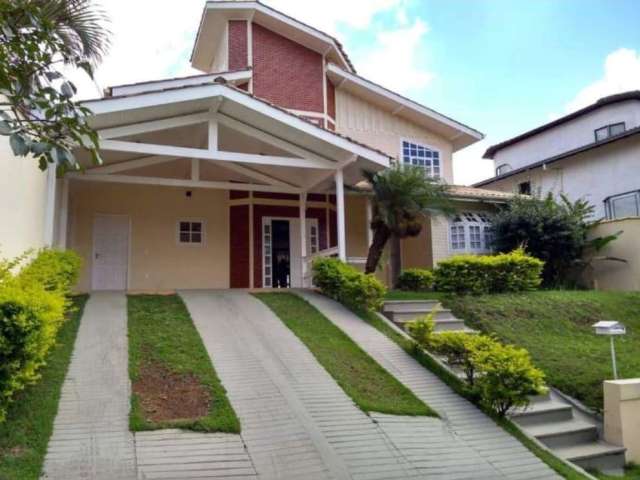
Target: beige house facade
[(241, 176)]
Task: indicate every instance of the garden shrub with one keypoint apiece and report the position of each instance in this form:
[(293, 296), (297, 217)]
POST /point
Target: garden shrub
[(481, 274), (415, 280), (459, 347), (421, 329), (347, 284), (32, 308), (506, 377)]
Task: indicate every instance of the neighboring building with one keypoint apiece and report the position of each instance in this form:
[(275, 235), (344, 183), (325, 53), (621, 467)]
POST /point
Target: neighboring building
[(591, 154), (237, 177)]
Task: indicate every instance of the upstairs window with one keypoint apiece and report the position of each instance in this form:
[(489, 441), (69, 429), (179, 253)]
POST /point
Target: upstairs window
[(421, 156), (623, 205), (524, 188), (609, 131), (470, 232)]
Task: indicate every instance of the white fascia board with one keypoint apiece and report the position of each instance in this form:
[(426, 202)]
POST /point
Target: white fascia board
[(238, 77), (258, 7), (214, 91), (401, 101)]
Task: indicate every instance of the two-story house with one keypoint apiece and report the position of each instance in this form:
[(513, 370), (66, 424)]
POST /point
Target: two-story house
[(237, 177), (591, 154)]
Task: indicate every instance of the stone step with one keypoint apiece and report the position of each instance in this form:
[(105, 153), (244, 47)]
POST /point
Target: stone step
[(541, 398), (599, 455), (451, 325), (565, 433), (542, 412), (411, 305), (408, 316)]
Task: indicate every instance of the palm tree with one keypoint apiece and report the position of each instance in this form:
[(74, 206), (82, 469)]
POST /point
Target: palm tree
[(403, 197), (80, 24)]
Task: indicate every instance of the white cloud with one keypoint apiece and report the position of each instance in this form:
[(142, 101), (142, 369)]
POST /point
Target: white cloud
[(394, 60), (621, 74), (468, 165)]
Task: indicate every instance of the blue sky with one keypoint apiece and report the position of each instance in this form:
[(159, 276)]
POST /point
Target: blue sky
[(500, 66)]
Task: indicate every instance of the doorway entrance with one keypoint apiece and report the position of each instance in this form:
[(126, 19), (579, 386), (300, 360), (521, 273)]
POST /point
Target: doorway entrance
[(281, 251), (110, 252)]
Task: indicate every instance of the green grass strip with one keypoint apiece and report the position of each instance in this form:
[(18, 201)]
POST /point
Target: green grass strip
[(370, 386), (460, 388), (161, 330), (25, 434)]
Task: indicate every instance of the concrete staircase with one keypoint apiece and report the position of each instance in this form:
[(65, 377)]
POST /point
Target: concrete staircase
[(403, 311), (570, 432)]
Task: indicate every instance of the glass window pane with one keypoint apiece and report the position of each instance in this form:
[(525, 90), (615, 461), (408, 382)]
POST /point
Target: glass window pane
[(184, 237), (617, 129), (196, 237), (184, 226), (626, 206), (196, 227), (602, 133)]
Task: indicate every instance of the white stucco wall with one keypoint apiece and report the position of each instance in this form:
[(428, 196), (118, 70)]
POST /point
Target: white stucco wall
[(22, 203), (593, 175), (571, 135)]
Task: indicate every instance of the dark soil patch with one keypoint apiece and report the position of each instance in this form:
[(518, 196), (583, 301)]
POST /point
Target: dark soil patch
[(165, 395)]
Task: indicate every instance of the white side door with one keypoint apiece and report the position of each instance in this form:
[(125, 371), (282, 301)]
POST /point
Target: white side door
[(110, 252)]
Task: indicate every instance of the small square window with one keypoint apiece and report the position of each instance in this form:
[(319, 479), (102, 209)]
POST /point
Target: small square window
[(616, 129), (524, 188), (190, 232)]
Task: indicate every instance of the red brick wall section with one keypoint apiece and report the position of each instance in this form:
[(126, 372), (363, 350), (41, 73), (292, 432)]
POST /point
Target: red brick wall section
[(286, 73), (260, 211), (237, 44), (239, 246), (331, 99)]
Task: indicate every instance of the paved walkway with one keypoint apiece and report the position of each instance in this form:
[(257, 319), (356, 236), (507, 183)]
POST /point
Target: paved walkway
[(91, 438), (463, 420)]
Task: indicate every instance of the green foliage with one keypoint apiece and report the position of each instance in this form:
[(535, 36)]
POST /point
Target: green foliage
[(38, 113), (347, 284), (32, 307), (507, 377), (481, 274), (415, 280), (402, 198), (421, 329), (555, 232)]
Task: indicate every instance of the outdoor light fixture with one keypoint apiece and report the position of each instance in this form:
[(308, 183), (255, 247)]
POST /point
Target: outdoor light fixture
[(611, 329)]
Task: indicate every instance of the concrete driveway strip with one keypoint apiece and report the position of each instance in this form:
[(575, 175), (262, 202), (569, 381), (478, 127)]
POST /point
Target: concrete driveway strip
[(91, 438), (297, 423), (467, 423)]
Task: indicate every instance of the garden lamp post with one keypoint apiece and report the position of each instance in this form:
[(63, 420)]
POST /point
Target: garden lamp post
[(611, 329)]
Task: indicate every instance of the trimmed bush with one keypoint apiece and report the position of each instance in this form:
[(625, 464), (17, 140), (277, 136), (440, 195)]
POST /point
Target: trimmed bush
[(347, 284), (32, 308), (458, 348), (415, 280), (482, 274), (507, 377), (421, 329)]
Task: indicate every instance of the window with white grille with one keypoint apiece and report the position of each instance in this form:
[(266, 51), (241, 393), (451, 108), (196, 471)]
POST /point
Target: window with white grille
[(470, 232), (421, 156)]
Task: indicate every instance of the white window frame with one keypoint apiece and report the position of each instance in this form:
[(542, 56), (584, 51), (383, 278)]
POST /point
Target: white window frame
[(203, 233), (427, 146), (467, 219)]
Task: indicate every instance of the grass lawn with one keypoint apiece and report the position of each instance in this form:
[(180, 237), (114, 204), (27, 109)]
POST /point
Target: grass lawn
[(402, 295), (170, 367), (458, 386), (25, 434), (370, 386), (555, 326)]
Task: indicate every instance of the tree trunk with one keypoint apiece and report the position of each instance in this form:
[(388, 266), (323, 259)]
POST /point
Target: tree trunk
[(380, 237), (395, 260)]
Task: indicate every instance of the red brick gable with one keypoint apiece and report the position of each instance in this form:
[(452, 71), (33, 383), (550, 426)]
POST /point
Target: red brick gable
[(238, 54), (286, 73)]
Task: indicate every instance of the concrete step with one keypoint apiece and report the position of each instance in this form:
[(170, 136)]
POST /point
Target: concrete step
[(598, 455), (408, 316), (565, 433), (451, 325), (541, 398), (411, 305), (542, 412)]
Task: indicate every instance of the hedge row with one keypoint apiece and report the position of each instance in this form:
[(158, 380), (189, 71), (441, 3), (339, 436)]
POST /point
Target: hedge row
[(347, 284), (32, 309)]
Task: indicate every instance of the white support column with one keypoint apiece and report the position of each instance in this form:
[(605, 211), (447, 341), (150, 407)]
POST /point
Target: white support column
[(342, 237), (252, 251), (213, 133), (303, 234), (50, 206), (195, 169), (64, 214), (369, 218)]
